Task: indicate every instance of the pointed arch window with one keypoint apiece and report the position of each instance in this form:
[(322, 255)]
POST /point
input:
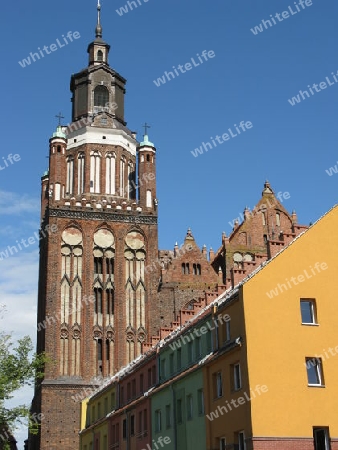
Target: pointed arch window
[(110, 173), (122, 176), (70, 176), (135, 256), (95, 172), (100, 55), (101, 96), (80, 173)]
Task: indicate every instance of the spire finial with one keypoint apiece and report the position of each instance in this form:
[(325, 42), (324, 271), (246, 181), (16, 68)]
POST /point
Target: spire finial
[(146, 126), (98, 30), (59, 116)]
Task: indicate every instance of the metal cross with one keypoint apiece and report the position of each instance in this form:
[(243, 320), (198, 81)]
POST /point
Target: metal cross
[(146, 126), (59, 116)]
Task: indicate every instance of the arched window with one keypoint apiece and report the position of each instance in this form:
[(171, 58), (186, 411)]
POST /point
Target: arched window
[(110, 173), (101, 96), (95, 162), (70, 176), (80, 173), (122, 176), (100, 55), (278, 219)]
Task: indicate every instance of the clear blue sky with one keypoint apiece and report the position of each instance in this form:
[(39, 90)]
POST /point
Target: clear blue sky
[(250, 78)]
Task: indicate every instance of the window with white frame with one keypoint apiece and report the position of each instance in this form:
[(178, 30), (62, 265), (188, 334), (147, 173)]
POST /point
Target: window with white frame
[(241, 440), (308, 311), (217, 385), (321, 438), (200, 401), (222, 443), (168, 416), (189, 407), (110, 173), (158, 421), (314, 370), (227, 331), (95, 171)]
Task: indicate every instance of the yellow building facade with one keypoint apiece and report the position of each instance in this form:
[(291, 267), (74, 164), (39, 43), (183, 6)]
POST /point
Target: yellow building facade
[(273, 382)]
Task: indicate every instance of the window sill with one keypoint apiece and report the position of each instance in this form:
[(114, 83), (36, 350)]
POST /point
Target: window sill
[(317, 385), (310, 324)]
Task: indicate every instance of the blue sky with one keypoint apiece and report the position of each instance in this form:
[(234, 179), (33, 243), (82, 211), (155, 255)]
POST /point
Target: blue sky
[(250, 78)]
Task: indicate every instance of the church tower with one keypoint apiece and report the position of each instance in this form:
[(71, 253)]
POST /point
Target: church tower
[(97, 300)]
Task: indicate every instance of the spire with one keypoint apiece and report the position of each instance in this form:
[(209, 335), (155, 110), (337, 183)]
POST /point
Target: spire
[(146, 142), (98, 30)]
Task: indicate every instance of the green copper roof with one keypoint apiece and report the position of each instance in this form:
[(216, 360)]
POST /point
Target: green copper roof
[(59, 133), (146, 142)]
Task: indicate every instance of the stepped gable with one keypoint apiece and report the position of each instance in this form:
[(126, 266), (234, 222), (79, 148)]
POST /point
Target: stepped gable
[(263, 232), (184, 315), (186, 275)]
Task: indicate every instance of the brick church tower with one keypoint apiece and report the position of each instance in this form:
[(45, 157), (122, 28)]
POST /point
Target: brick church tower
[(96, 301)]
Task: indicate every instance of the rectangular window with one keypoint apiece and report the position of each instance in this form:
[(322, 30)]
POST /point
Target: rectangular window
[(154, 375), (314, 369), (190, 352), (237, 380), (179, 411), (141, 383), (105, 406), (139, 424), (133, 388), (145, 420), (163, 369), (209, 341), (124, 429), (189, 407), (128, 391), (158, 421), (149, 378), (179, 359), (198, 347), (308, 311), (99, 410), (132, 425), (171, 363), (227, 331), (112, 401), (200, 401), (241, 441), (222, 443), (168, 416), (217, 385), (321, 438)]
